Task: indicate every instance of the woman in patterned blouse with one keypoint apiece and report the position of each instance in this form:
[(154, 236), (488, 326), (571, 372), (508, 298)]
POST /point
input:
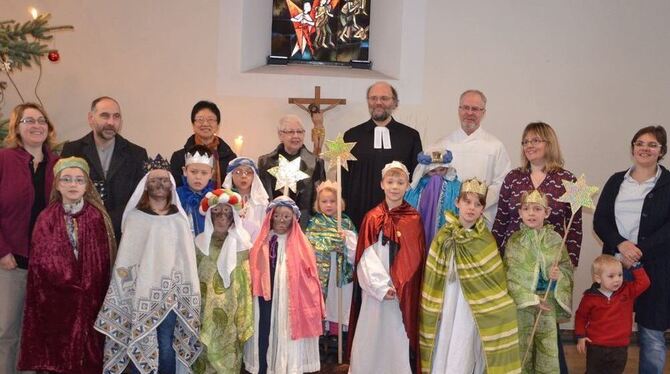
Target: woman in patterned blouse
[(541, 169)]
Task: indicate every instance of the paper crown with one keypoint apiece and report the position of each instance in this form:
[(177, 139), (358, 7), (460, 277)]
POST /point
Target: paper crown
[(435, 157), (71, 162), (327, 184), (474, 185), (158, 163), (395, 165), (534, 197), (219, 196), (198, 158)]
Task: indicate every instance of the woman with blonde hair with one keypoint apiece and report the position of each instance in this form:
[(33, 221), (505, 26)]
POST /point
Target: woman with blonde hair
[(26, 177), (542, 170)]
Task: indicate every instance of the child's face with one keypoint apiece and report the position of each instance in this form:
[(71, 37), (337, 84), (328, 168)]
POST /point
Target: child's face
[(328, 203), (282, 218), (394, 185), (197, 176), (533, 215), (243, 176), (469, 209), (72, 185), (441, 171), (610, 277), (222, 218)]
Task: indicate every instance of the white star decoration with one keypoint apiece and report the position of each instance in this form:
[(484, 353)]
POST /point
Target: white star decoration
[(288, 174)]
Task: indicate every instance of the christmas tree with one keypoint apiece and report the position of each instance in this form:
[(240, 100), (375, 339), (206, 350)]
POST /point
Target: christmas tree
[(23, 45)]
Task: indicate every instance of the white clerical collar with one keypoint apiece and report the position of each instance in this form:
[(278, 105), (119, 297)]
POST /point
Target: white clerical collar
[(382, 138)]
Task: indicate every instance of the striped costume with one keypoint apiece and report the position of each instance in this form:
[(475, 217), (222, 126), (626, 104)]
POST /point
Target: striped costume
[(466, 263)]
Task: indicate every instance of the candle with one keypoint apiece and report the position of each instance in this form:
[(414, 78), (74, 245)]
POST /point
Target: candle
[(237, 145)]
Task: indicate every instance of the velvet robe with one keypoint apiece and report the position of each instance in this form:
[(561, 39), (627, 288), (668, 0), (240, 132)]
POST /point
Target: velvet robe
[(401, 227), (64, 293)]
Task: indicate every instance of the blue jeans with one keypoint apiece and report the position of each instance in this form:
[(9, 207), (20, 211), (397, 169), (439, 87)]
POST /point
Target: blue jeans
[(652, 350), (167, 359)]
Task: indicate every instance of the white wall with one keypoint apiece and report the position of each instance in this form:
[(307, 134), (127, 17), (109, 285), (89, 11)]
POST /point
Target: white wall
[(596, 71)]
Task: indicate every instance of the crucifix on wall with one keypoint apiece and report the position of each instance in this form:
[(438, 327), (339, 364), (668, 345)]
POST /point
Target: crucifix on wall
[(312, 105)]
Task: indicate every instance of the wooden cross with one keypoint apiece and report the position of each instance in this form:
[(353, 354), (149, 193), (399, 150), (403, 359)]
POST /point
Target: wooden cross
[(312, 105)]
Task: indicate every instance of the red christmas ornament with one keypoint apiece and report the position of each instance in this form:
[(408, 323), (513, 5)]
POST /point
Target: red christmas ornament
[(53, 55)]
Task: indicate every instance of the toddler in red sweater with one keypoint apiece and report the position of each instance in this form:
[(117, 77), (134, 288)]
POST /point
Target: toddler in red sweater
[(604, 318)]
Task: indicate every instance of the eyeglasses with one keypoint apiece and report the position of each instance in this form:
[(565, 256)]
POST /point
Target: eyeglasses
[(32, 121), (202, 120), (292, 132), (474, 109), (533, 142), (652, 145), (243, 173), (69, 180), (384, 99)]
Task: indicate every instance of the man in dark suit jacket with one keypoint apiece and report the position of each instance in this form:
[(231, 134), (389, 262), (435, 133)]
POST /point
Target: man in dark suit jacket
[(116, 164)]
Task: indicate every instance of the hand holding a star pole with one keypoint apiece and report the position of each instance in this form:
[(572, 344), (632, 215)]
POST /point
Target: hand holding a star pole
[(578, 194), (337, 153)]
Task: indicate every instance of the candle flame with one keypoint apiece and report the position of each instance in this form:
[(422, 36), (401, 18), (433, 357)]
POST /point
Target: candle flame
[(33, 12)]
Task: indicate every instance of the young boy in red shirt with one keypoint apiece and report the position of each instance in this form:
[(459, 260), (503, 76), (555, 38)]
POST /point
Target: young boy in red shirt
[(604, 318)]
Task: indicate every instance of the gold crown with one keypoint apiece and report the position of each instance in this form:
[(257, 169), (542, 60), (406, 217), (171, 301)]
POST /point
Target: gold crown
[(534, 197), (474, 185)]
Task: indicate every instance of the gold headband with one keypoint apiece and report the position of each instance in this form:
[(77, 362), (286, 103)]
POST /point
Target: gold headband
[(474, 185)]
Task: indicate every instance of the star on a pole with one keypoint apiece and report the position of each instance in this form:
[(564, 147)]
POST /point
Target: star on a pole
[(288, 174), (578, 194), (338, 148)]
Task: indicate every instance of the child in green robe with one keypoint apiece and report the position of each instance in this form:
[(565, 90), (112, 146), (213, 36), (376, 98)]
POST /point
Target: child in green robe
[(532, 268)]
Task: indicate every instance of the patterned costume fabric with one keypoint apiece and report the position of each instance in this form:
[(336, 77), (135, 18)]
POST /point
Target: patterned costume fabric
[(482, 278), (227, 313), (322, 234), (507, 219), (528, 259), (155, 273), (432, 197)]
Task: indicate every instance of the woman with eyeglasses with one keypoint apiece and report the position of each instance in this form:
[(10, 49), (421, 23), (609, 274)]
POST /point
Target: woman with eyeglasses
[(72, 252), (632, 219), (205, 119), (26, 177), (541, 169)]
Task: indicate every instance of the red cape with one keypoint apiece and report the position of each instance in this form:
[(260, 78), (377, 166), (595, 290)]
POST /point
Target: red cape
[(64, 294), (401, 225)]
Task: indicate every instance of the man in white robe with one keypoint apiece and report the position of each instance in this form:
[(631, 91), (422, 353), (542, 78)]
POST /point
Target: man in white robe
[(477, 153)]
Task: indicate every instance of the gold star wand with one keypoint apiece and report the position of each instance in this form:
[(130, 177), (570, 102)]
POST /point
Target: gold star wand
[(578, 194), (338, 153)]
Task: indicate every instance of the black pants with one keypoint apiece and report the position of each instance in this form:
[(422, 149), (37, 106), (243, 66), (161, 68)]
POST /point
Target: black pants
[(605, 360)]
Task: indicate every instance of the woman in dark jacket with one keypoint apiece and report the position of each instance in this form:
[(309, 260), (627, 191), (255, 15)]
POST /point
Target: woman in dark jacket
[(205, 118), (26, 176), (633, 221)]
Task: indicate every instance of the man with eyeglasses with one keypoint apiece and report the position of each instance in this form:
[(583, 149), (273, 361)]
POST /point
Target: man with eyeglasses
[(292, 137), (476, 152), (379, 141), (116, 163)]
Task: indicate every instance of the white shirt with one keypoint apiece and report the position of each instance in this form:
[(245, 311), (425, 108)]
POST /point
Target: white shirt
[(628, 204), (479, 155)]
